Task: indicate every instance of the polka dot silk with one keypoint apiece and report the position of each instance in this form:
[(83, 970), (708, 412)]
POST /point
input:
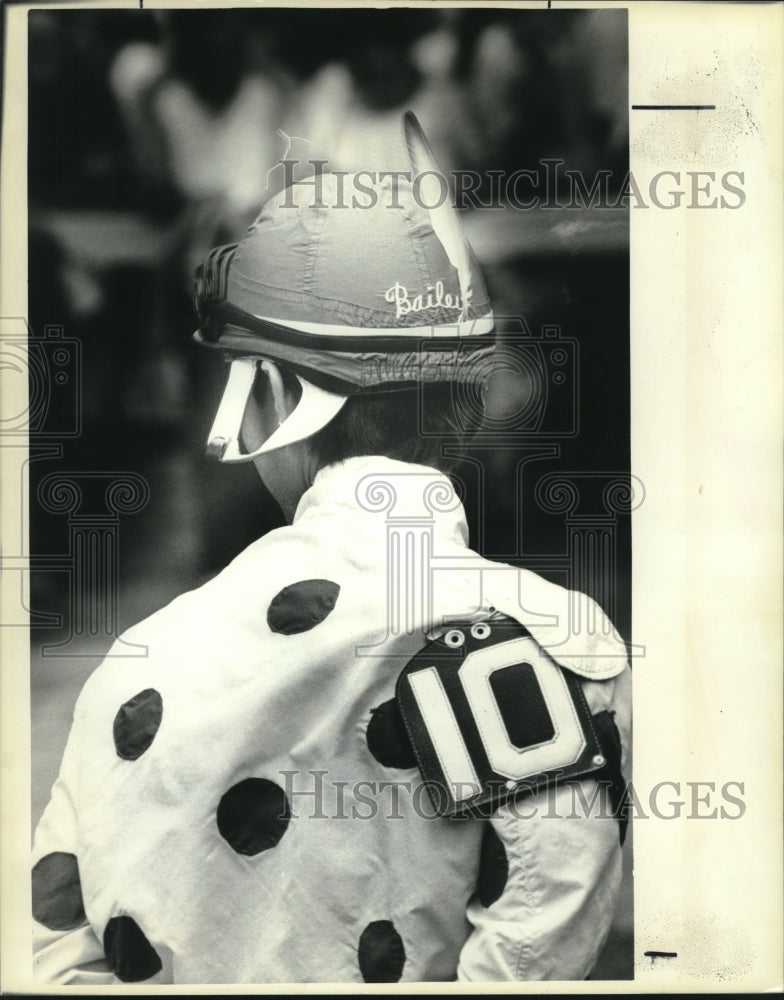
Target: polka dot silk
[(240, 804)]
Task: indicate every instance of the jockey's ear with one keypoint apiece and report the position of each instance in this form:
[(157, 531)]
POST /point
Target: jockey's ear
[(272, 401), (259, 419), (287, 469), (284, 397)]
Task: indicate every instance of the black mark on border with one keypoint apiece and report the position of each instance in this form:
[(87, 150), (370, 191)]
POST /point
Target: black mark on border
[(673, 107)]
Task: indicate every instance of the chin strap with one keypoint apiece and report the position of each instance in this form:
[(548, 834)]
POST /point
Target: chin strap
[(223, 443)]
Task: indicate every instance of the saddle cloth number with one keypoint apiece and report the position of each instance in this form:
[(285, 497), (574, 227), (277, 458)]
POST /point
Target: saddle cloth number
[(493, 717)]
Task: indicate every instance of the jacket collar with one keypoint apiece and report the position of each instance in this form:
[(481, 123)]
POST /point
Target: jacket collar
[(388, 490)]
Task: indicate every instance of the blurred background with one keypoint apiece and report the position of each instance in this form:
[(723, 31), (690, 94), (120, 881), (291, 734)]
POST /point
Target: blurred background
[(150, 136)]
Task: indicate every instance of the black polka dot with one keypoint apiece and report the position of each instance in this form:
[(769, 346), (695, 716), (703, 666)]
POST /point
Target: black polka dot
[(387, 738), (301, 606), (57, 892), (381, 953), (253, 815), (130, 955), (136, 723), (493, 867)]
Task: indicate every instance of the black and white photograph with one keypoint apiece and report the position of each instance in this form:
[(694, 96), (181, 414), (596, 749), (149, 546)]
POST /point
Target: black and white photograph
[(354, 438)]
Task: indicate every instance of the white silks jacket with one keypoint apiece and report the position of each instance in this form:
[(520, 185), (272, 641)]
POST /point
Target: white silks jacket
[(222, 814)]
